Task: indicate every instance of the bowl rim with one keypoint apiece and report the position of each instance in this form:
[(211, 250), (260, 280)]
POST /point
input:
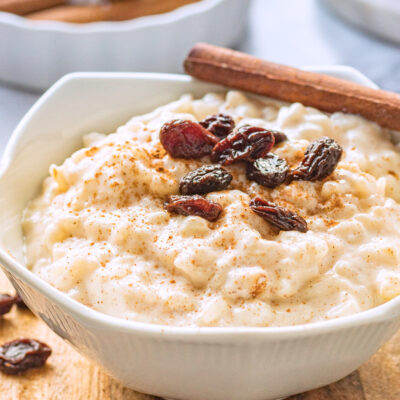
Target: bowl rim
[(384, 5), (148, 21), (88, 316)]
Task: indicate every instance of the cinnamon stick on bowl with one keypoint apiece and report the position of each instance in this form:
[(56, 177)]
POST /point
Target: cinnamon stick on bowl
[(242, 71), (113, 11), (21, 7)]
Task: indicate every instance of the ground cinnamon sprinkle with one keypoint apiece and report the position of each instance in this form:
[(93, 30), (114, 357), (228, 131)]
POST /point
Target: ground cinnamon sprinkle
[(158, 152), (91, 151)]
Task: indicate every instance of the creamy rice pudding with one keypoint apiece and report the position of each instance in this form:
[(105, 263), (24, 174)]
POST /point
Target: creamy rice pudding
[(99, 231)]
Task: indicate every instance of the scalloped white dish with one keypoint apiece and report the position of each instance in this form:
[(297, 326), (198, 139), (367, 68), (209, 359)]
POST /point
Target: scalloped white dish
[(380, 17), (187, 363), (37, 53)]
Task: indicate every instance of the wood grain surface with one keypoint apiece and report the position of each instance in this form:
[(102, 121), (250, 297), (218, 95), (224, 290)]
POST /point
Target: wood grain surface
[(68, 376)]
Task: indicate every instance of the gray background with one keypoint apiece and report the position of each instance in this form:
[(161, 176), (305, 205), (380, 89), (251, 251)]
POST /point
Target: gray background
[(293, 32)]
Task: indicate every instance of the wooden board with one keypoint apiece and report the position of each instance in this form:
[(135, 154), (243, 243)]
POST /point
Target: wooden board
[(68, 376)]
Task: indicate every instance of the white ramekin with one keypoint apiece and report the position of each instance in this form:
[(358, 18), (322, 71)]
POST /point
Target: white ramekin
[(176, 362), (37, 53)]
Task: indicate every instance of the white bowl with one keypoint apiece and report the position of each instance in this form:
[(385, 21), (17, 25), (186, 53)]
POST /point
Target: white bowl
[(177, 362), (37, 53), (380, 17)]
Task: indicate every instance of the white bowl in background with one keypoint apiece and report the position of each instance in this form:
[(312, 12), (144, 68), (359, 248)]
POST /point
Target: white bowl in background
[(186, 363), (37, 53), (380, 17)]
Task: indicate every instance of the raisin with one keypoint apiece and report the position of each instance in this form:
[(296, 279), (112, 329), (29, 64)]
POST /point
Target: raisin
[(186, 139), (278, 216), (220, 125), (6, 302), (194, 205), (19, 302), (246, 143), (206, 179), (320, 160), (23, 354), (279, 136), (269, 171)]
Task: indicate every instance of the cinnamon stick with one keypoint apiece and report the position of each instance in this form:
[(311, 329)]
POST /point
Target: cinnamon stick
[(114, 11), (21, 7), (242, 71)]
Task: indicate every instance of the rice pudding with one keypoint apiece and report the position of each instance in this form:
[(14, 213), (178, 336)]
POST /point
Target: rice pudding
[(100, 233)]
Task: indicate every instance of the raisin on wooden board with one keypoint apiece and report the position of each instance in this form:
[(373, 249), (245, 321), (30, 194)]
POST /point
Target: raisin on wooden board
[(220, 125), (206, 179), (186, 139), (320, 160), (194, 205), (278, 216), (23, 354), (270, 171), (6, 302), (246, 143), (19, 302)]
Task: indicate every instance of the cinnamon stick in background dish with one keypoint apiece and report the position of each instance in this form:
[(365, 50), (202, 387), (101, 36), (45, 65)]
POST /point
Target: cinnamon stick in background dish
[(114, 11), (242, 71), (22, 7)]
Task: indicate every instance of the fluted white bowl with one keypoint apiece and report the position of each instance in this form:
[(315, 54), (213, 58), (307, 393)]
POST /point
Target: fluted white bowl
[(380, 17), (37, 53), (184, 363)]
